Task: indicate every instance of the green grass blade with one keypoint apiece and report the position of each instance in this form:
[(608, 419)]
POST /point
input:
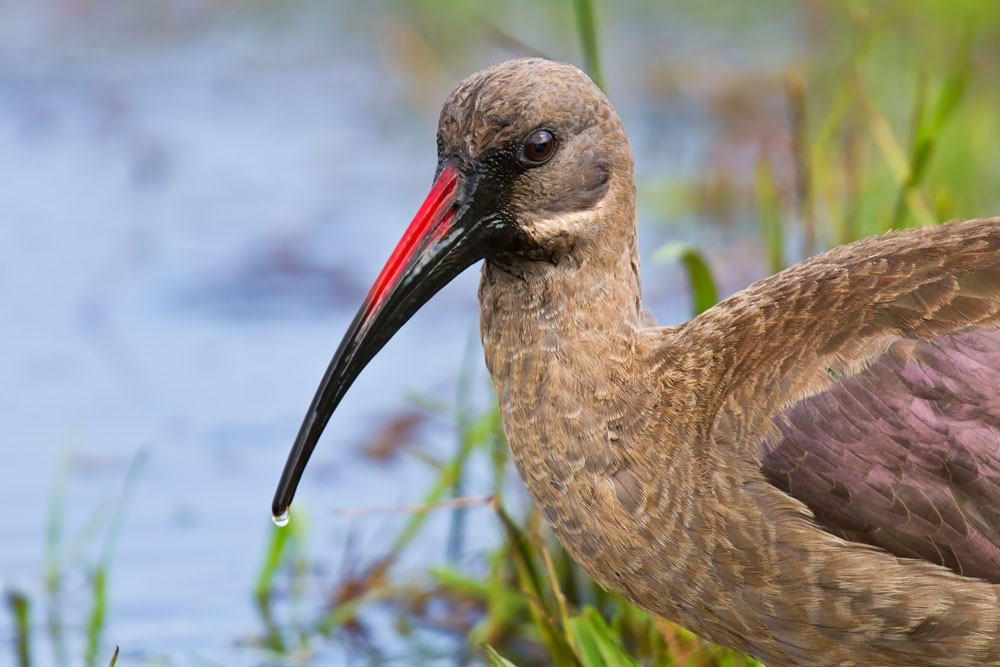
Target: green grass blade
[(473, 435), (99, 591), (54, 558), (54, 523), (455, 580), (596, 643), (586, 26), (273, 557), (98, 612), (795, 91), (505, 605), (19, 610), (555, 643), (704, 294), (495, 659), (585, 643), (769, 213), (926, 136), (121, 503), (519, 546)]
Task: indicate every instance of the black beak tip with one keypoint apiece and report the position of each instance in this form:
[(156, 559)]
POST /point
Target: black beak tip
[(279, 513), (422, 263)]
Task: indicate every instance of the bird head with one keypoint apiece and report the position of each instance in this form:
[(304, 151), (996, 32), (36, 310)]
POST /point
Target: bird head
[(529, 151)]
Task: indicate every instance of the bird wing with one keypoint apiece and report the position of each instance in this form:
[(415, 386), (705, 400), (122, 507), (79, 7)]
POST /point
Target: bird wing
[(904, 455), (868, 378)]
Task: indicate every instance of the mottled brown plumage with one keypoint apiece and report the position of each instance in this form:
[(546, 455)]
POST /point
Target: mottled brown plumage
[(807, 472)]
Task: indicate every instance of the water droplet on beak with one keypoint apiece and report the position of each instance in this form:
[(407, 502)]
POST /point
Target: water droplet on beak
[(280, 519)]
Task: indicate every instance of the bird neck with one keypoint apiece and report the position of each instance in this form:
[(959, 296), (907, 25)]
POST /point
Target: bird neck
[(580, 306), (560, 343), (580, 288)]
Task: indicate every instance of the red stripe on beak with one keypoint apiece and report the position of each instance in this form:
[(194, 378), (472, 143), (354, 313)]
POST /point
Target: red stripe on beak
[(447, 235), (428, 222)]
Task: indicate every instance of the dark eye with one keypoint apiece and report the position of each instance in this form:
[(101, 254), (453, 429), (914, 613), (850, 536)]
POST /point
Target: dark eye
[(539, 146)]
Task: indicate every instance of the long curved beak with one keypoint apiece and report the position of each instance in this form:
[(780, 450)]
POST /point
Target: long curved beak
[(448, 234)]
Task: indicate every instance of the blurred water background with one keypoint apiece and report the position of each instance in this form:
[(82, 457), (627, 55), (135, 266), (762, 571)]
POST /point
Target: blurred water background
[(194, 198)]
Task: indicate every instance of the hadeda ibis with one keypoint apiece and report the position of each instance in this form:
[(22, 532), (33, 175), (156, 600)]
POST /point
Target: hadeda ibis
[(808, 472)]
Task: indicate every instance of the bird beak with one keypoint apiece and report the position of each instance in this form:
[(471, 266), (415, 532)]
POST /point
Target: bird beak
[(448, 234)]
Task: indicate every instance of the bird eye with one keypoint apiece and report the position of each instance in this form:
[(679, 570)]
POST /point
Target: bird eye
[(539, 146)]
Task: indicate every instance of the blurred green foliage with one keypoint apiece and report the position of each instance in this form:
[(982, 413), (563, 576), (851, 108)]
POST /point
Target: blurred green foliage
[(63, 557)]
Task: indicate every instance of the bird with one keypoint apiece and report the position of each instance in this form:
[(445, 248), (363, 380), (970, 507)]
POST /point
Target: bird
[(807, 472)]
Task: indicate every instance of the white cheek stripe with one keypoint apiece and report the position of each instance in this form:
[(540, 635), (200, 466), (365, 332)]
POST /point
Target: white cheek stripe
[(575, 223)]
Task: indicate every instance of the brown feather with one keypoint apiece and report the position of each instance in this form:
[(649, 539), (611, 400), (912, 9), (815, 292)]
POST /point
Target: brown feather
[(642, 446)]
